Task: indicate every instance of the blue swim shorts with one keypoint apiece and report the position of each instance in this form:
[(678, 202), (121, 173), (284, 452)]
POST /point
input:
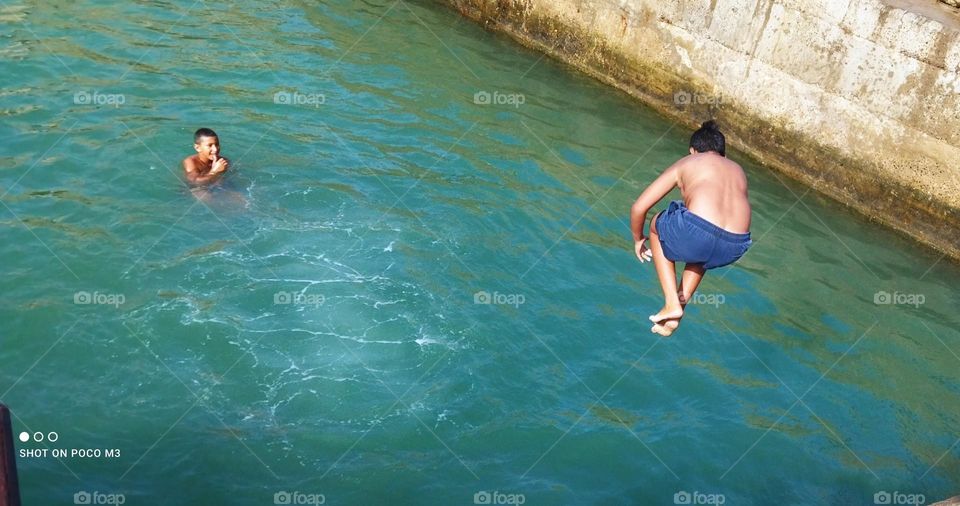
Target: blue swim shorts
[(688, 238)]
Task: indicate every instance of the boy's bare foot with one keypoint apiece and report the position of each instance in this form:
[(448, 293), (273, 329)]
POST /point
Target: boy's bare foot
[(666, 328), (667, 313)]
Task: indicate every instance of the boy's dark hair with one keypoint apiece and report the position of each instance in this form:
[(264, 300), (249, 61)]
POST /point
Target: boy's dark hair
[(203, 132), (708, 138)]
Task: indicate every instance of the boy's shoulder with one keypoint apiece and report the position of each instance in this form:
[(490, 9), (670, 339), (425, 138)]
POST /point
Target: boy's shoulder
[(190, 163), (707, 159), (702, 166), (683, 165)]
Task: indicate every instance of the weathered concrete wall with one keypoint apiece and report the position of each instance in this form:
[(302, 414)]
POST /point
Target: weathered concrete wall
[(859, 98)]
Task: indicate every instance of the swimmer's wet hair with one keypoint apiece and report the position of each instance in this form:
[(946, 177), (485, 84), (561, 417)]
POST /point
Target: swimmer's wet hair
[(708, 138), (203, 132)]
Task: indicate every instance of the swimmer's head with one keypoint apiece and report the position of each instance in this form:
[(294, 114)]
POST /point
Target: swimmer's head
[(207, 144), (707, 139)]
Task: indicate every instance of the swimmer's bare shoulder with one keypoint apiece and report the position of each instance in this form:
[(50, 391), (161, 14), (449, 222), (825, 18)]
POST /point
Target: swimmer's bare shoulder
[(193, 168), (190, 165), (698, 167)]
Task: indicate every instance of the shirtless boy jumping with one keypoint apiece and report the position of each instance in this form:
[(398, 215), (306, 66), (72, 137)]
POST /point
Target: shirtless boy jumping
[(710, 228), (206, 166)]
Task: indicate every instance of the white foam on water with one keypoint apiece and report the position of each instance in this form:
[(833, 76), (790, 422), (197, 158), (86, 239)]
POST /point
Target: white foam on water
[(426, 341)]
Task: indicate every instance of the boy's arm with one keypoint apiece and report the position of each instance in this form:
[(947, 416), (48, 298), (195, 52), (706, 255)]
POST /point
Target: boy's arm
[(193, 175), (190, 169), (649, 198)]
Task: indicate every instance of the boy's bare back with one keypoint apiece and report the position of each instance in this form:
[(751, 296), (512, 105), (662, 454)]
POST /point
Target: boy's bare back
[(715, 188)]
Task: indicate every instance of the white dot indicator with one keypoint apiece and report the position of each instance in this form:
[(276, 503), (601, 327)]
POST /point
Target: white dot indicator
[(24, 437)]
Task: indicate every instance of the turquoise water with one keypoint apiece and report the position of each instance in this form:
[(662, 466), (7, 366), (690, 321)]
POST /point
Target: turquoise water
[(312, 325)]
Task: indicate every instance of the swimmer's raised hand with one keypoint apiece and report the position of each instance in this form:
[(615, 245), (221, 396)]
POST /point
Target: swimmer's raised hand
[(219, 165), (643, 253)]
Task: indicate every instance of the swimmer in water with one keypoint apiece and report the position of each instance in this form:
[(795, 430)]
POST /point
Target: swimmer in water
[(207, 165), (709, 228)]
